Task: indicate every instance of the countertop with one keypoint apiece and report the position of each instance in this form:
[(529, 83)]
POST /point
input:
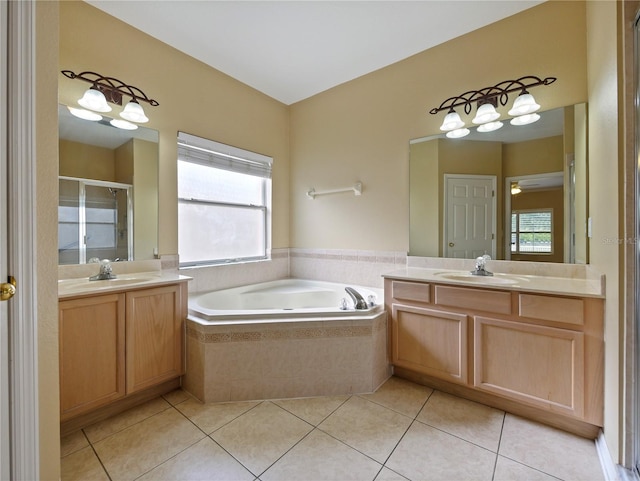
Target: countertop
[(82, 286), (579, 287)]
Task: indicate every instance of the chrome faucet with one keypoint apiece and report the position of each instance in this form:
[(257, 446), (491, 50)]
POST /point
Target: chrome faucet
[(358, 300), (480, 269), (105, 271)]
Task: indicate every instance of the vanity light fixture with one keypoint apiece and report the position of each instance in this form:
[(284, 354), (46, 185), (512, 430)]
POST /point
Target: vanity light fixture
[(105, 90), (487, 100), (515, 189)]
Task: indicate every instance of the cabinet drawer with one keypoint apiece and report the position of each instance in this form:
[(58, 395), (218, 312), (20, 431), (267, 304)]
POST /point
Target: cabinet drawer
[(410, 291), (551, 308), (481, 300)]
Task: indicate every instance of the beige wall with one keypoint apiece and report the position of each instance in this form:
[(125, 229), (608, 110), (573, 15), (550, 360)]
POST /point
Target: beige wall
[(46, 26), (193, 98), (361, 130), (87, 161), (604, 196), (145, 198), (539, 156)]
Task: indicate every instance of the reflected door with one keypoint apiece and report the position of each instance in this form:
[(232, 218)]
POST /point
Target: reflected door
[(470, 216)]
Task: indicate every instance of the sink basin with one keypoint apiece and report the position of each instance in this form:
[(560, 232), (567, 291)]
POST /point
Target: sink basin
[(67, 285), (503, 279)]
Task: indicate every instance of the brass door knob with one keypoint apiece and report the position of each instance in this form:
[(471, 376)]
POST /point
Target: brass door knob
[(451, 244), (7, 289)]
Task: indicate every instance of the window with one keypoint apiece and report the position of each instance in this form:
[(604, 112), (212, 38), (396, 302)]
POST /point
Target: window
[(531, 231), (224, 203)]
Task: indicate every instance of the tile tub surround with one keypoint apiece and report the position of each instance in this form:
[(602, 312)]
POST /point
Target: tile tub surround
[(224, 276), (362, 268), (286, 359)]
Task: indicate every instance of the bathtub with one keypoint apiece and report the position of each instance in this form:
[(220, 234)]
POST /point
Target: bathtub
[(284, 339), (282, 299)]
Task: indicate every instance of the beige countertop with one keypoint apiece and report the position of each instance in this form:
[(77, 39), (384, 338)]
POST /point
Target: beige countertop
[(569, 286), (82, 286)]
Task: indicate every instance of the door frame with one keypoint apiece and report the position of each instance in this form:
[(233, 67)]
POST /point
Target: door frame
[(494, 207), (507, 205), (24, 439)]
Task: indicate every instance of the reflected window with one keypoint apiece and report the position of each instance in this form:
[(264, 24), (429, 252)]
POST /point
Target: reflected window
[(531, 231), (224, 203)]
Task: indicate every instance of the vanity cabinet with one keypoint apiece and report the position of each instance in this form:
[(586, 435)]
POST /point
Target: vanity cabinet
[(115, 345), (501, 347)]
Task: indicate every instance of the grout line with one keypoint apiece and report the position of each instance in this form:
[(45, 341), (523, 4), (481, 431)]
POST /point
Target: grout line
[(495, 464), (100, 461)]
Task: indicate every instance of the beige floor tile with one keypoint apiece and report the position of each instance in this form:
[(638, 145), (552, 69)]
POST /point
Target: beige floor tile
[(508, 470), (427, 454), (141, 447), (176, 396), (98, 431), (387, 475), (550, 450), (314, 410), (212, 416), (471, 421), (321, 457), (261, 436), (403, 396), (72, 442), (204, 461), (82, 465), (368, 427)]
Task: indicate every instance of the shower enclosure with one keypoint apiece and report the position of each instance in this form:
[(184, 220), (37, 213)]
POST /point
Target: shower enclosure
[(94, 221)]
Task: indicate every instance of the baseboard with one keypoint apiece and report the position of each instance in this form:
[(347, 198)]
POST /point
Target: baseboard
[(611, 470)]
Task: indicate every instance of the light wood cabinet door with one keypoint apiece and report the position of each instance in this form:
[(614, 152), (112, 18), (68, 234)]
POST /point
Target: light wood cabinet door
[(542, 366), (91, 343), (154, 337), (430, 341)]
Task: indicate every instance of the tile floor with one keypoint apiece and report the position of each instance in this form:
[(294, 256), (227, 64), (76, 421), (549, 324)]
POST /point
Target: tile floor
[(401, 432)]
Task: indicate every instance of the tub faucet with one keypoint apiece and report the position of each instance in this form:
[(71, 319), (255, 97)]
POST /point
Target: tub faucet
[(105, 272), (480, 269), (358, 300)]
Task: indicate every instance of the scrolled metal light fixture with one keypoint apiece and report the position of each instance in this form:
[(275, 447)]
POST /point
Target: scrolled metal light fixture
[(105, 90), (488, 99)]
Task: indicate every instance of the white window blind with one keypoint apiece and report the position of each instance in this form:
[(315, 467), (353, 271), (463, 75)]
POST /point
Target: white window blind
[(224, 198)]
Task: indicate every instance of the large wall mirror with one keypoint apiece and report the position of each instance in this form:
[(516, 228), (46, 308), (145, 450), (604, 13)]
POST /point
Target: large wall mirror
[(108, 191), (518, 193)]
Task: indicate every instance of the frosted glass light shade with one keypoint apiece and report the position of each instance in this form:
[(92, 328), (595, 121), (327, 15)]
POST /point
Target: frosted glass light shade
[(94, 100), (524, 104), (525, 119), (452, 121), (84, 114), (123, 124), (134, 113), (457, 133), (515, 189), (490, 126), (486, 113)]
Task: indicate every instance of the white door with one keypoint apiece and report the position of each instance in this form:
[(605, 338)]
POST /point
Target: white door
[(469, 216)]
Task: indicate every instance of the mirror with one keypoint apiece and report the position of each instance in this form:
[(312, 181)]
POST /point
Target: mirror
[(108, 198), (460, 191)]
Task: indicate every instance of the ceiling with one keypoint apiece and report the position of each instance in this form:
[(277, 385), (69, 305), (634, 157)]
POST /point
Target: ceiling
[(292, 50)]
